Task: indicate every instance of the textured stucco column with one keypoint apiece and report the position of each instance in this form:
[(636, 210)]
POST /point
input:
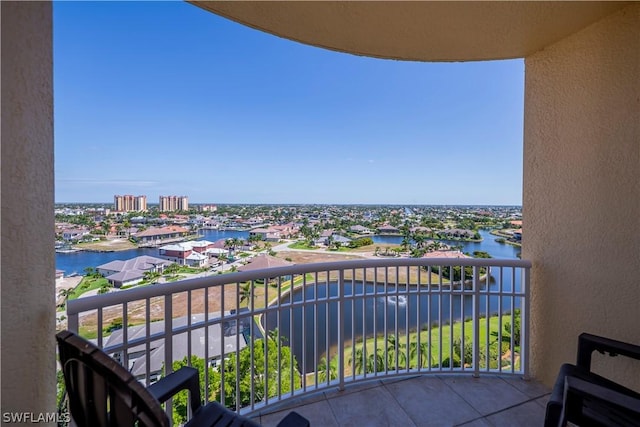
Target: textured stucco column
[(28, 263), (582, 192)]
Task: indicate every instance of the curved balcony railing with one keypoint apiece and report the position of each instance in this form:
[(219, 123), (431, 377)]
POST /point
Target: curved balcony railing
[(273, 334)]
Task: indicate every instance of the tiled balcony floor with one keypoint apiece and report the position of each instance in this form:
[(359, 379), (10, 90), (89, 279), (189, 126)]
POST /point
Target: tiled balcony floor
[(425, 401)]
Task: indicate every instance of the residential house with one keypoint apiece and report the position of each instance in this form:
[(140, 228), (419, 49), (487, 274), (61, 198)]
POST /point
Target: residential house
[(388, 229), (191, 253), (270, 234), (71, 234), (456, 233), (220, 333), (129, 272), (287, 231), (360, 229), (157, 235)]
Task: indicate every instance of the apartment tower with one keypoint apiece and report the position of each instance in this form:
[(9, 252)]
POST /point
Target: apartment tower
[(173, 203), (128, 203)]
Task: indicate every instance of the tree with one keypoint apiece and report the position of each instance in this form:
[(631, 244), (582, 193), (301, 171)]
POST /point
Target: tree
[(106, 226), (277, 375), (151, 276), (419, 238), (405, 243), (424, 360), (222, 258), (64, 294), (172, 268), (180, 400), (228, 244), (327, 371), (127, 225)]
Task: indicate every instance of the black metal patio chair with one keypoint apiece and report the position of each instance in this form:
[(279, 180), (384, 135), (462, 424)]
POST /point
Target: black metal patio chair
[(103, 393), (585, 398)]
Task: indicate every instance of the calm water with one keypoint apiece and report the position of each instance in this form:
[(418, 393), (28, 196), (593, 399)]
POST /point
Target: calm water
[(374, 311), (76, 262), (488, 244)]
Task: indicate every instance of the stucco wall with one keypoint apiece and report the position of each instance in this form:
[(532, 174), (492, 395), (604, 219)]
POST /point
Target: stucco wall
[(28, 268), (582, 191)]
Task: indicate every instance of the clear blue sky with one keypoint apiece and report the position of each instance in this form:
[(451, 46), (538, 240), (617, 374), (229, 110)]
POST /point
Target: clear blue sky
[(167, 99)]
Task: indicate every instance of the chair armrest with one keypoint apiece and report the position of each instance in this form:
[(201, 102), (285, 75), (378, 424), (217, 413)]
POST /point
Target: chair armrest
[(293, 419), (185, 378), (605, 406), (588, 343)]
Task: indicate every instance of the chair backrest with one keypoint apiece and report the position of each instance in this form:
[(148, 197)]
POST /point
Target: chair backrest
[(102, 393)]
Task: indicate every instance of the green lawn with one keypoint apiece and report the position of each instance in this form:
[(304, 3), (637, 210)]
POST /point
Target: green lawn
[(439, 346), (87, 284), (301, 245)]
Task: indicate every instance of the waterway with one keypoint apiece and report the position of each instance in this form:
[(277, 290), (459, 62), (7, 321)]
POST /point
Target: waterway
[(76, 262), (374, 310), (377, 308), (488, 244)]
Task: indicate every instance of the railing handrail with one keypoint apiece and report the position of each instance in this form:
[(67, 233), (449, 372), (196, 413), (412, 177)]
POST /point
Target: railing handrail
[(367, 328), (84, 304)]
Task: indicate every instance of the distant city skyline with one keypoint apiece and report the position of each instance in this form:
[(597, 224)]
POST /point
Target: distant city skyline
[(161, 98)]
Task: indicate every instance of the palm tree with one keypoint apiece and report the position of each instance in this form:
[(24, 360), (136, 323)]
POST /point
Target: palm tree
[(357, 361), (246, 291), (106, 227), (127, 225), (376, 361), (151, 276), (396, 349), (222, 258), (405, 243), (64, 294), (327, 371), (423, 349), (419, 239)]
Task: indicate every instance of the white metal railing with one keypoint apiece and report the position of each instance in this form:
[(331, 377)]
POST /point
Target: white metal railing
[(272, 334)]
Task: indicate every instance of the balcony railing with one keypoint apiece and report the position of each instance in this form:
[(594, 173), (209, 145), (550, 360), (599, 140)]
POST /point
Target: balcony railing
[(273, 334)]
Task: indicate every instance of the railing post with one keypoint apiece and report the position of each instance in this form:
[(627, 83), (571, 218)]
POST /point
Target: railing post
[(72, 321), (341, 315), (476, 319), (168, 346), (524, 325)]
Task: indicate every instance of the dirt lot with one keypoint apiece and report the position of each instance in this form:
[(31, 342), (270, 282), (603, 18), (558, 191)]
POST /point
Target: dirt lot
[(107, 245), (307, 257), (136, 310)]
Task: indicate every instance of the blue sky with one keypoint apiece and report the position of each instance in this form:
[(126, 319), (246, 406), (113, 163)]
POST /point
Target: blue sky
[(167, 99)]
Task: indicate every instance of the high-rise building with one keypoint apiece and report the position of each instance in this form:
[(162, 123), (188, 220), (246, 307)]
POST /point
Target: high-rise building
[(173, 203), (129, 203), (141, 203)]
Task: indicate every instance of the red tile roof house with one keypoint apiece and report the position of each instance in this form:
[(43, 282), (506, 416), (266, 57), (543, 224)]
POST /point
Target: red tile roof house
[(154, 236), (388, 229), (270, 234), (129, 272), (187, 253), (287, 231)]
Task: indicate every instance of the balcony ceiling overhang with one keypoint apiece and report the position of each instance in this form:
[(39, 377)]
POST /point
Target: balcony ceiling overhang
[(420, 31)]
